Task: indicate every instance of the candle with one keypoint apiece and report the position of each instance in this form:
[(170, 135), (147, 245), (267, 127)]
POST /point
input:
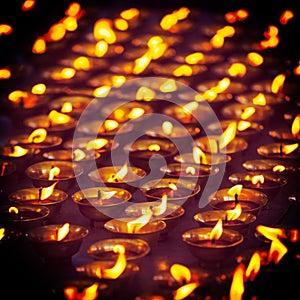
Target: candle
[(282, 151), (251, 97), (270, 165)]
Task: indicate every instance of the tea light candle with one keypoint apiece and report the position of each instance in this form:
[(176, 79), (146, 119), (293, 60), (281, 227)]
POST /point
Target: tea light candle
[(257, 113), (212, 253), (283, 151), (22, 216), (100, 204), (177, 191), (251, 200), (49, 246), (69, 155), (284, 134), (32, 196), (210, 218), (67, 172)]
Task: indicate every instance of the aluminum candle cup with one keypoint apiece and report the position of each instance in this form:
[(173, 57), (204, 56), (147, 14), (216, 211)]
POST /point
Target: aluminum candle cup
[(21, 217), (135, 249), (150, 232), (212, 253), (30, 196), (185, 190), (211, 217), (98, 207), (39, 174), (251, 200), (43, 240)]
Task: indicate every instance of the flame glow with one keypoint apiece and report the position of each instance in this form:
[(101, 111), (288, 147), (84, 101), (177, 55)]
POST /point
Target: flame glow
[(120, 174), (162, 207), (145, 93), (259, 99), (46, 192), (167, 127), (136, 112), (190, 170), (296, 126), (89, 293), (271, 233), (78, 155), (2, 233), (277, 251), (247, 113), (287, 149), (154, 147), (278, 168), (228, 135), (96, 144), (233, 214), (237, 285), (199, 156), (107, 195), (217, 231), (277, 83), (37, 136), (253, 266), (258, 179), (235, 190), (62, 231), (243, 125), (58, 118), (181, 273), (138, 223), (18, 151), (185, 290), (54, 171), (13, 209)]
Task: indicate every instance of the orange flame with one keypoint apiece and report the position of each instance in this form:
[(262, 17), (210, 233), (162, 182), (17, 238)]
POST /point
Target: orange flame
[(28, 5), (141, 63), (145, 93), (46, 192), (228, 135), (277, 83), (103, 31), (154, 147), (5, 29), (287, 149), (78, 155), (253, 266), (270, 232), (172, 186), (185, 290), (277, 251), (2, 233), (184, 70), (233, 214), (130, 13), (237, 285), (167, 127), (136, 112), (181, 273), (243, 125), (54, 171), (278, 168), (258, 179), (296, 126), (13, 209), (101, 48), (194, 58), (38, 89), (5, 73), (286, 16), (67, 107), (237, 70), (89, 293), (39, 46), (102, 91), (190, 170), (254, 59), (135, 225), (199, 156), (18, 151), (62, 231), (259, 99), (120, 174), (247, 113), (235, 190), (96, 144), (162, 207), (217, 231), (168, 86), (37, 136), (82, 63), (56, 117)]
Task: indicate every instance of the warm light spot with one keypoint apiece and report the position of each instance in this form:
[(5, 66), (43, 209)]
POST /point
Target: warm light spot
[(88, 293), (18, 151), (259, 99), (102, 91), (184, 70), (56, 117), (168, 86), (130, 13), (96, 144), (103, 31), (181, 13), (73, 9), (5, 29), (222, 85), (141, 63), (242, 14), (296, 126), (253, 266), (217, 41), (38, 89), (243, 125), (70, 23), (247, 113), (120, 174), (172, 186), (237, 70), (237, 285), (254, 59), (82, 63), (13, 209), (136, 112), (228, 135), (106, 195), (101, 48), (190, 170), (64, 73), (37, 136), (56, 32), (28, 5), (39, 46), (199, 156), (17, 96), (287, 149), (277, 83), (286, 16), (258, 179), (277, 251), (157, 50), (294, 235), (194, 58), (78, 155), (121, 24), (118, 80), (296, 70), (271, 233), (2, 233), (233, 214), (167, 127), (181, 273), (5, 73), (208, 95), (145, 93), (54, 171), (137, 224), (235, 190), (110, 125), (67, 107), (62, 231), (162, 207), (46, 192), (190, 107), (154, 147), (217, 231), (278, 168), (168, 21), (185, 290)]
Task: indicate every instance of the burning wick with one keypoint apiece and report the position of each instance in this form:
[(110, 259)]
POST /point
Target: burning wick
[(99, 197), (3, 168), (40, 194), (236, 198)]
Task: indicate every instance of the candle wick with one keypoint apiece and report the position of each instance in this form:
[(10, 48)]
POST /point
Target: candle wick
[(226, 219), (281, 150), (218, 146), (236, 198), (213, 241), (99, 197), (40, 194)]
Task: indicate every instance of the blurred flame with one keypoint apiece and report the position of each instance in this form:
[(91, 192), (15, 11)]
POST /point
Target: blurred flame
[(18, 151), (237, 70), (88, 293), (138, 223), (254, 59), (54, 171), (199, 156), (118, 80), (67, 107), (102, 91), (136, 112), (258, 179), (237, 285), (101, 48), (277, 251), (39, 46), (37, 136), (271, 233), (185, 290), (259, 99), (181, 273), (130, 13), (58, 118), (172, 186), (243, 125), (277, 83), (235, 190), (38, 89), (233, 214), (106, 195), (287, 149), (247, 113), (64, 73), (190, 170), (296, 126), (168, 86), (278, 168), (286, 16), (121, 24), (162, 207), (145, 93), (82, 63), (2, 233), (46, 192), (96, 144), (141, 63), (62, 231), (217, 231), (194, 58), (190, 107), (78, 155), (5, 73), (56, 32), (70, 23), (253, 266), (13, 209), (228, 135), (17, 96), (183, 70), (103, 31), (110, 125), (5, 29), (167, 127), (120, 174), (154, 147), (73, 9)]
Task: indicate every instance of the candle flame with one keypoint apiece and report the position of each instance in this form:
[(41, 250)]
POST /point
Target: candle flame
[(46, 192), (167, 127), (277, 83), (271, 233), (130, 13), (258, 179), (136, 112), (103, 31), (259, 99), (237, 285), (64, 73), (102, 91), (233, 214), (194, 58), (120, 174), (78, 155), (54, 171), (173, 186), (168, 86), (135, 225), (145, 93), (37, 136), (154, 147), (58, 118), (13, 209), (162, 207), (190, 170), (181, 273), (62, 231), (190, 107), (277, 251), (287, 149), (18, 151), (183, 70), (185, 290), (101, 48), (39, 46), (2, 233), (110, 125), (235, 190), (296, 126), (243, 125), (247, 113), (67, 107), (253, 266), (96, 144), (278, 168), (217, 231), (141, 63), (39, 89), (5, 73), (199, 156), (254, 59), (88, 293), (228, 135), (107, 195), (286, 16), (17, 96), (237, 70)]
